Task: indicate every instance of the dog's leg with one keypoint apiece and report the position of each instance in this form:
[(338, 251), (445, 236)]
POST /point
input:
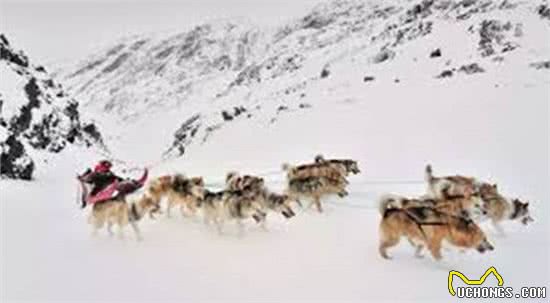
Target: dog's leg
[(317, 201), (110, 228), (168, 208), (264, 225), (418, 249), (183, 211), (135, 227), (385, 244), (219, 225), (418, 252), (192, 208), (342, 193), (96, 227), (435, 248), (122, 221), (240, 223)]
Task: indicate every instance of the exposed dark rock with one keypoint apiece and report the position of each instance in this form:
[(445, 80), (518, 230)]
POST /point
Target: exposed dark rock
[(544, 11), (118, 62), (9, 55), (184, 135), (435, 53), (165, 52), (418, 11), (315, 21), (540, 65), (368, 78), (325, 73), (46, 120), (14, 161), (87, 67), (226, 116), (469, 69), (249, 75), (384, 55), (20, 123), (445, 74), (491, 34), (282, 108)]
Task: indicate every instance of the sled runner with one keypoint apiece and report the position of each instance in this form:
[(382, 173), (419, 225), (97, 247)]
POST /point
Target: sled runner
[(113, 190)]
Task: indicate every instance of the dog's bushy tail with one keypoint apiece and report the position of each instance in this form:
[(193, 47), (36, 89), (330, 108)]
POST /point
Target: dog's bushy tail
[(388, 202), (428, 175)]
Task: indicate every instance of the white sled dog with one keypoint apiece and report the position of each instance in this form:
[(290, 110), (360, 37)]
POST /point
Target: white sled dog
[(121, 212)]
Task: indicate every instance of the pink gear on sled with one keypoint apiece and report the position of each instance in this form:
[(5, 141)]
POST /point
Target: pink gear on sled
[(114, 189)]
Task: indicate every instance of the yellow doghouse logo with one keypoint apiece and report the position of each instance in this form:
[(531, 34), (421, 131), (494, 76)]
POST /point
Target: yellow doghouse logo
[(490, 270)]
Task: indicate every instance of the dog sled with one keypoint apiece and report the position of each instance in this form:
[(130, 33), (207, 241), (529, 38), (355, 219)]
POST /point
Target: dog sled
[(112, 191)]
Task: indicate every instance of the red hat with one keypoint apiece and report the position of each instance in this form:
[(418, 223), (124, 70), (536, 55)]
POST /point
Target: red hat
[(103, 166)]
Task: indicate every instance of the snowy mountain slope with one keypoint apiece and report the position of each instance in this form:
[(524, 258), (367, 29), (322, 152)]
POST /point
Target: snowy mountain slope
[(466, 126), (36, 114), (200, 80)]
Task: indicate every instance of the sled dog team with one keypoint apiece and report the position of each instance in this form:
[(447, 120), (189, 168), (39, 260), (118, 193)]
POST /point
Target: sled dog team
[(244, 197), (450, 211)]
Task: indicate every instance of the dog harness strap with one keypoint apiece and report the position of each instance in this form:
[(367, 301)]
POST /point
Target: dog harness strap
[(413, 218)]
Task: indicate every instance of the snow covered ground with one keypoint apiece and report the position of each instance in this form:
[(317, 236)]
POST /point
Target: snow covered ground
[(494, 129)]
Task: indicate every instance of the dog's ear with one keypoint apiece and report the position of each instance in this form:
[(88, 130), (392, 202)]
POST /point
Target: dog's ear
[(495, 186), (319, 158), (285, 166)]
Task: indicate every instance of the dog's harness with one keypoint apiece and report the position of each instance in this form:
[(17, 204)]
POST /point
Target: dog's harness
[(419, 223)]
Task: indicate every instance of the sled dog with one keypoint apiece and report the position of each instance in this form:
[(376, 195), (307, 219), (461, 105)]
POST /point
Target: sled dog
[(426, 226), (500, 208), (347, 165), (219, 207), (246, 183), (279, 203), (179, 191), (449, 186), (121, 213), (335, 172), (315, 188)]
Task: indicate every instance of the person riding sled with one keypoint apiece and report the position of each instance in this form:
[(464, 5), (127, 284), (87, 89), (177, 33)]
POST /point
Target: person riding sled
[(101, 184)]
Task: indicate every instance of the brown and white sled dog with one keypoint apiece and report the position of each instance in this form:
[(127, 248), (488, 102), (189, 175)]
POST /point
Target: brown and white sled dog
[(449, 186), (180, 191), (219, 207), (121, 212), (325, 170), (315, 188), (500, 208), (428, 227), (236, 182), (279, 203), (347, 165)]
